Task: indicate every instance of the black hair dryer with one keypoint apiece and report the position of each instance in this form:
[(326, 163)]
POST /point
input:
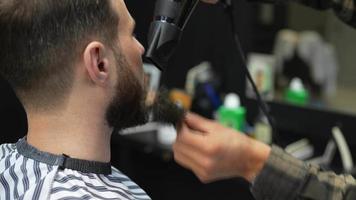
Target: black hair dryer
[(170, 18)]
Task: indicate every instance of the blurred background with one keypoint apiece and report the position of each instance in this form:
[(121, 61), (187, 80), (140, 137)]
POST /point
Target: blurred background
[(301, 59)]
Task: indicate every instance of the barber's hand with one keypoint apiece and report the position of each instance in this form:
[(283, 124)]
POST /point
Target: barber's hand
[(210, 1), (214, 152)]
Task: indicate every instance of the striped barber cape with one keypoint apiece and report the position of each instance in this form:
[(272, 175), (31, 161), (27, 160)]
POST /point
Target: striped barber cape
[(27, 173)]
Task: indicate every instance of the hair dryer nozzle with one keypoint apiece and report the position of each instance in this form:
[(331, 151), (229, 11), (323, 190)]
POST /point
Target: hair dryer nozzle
[(170, 19), (162, 39)]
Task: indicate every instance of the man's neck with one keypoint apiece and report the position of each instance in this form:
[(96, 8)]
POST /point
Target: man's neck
[(78, 135)]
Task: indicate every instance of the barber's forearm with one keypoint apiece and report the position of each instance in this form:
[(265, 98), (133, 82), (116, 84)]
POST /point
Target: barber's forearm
[(285, 177), (281, 178)]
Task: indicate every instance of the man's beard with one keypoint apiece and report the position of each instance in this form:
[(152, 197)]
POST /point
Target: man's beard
[(128, 107)]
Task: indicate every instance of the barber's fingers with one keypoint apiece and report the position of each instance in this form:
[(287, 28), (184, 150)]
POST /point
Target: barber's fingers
[(200, 147), (186, 156), (190, 137), (193, 160), (204, 142), (198, 123)]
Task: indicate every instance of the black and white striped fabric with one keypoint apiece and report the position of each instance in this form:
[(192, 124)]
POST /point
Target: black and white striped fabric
[(27, 173)]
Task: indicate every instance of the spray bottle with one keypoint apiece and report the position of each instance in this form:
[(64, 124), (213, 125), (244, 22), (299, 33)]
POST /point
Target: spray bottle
[(296, 93), (231, 113)]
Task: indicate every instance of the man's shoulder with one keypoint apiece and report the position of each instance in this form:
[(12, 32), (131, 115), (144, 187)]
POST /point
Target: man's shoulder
[(6, 149), (135, 190), (118, 177), (72, 183)]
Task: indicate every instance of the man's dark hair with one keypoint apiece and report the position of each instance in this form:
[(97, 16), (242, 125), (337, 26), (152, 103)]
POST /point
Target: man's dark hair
[(40, 40)]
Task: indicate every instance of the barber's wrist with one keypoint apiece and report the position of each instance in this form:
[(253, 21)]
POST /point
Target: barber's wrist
[(257, 154)]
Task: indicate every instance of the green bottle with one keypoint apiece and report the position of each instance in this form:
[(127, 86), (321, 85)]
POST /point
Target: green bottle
[(232, 114), (296, 93)]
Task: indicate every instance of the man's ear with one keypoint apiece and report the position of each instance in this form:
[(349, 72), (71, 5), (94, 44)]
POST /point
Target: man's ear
[(96, 62)]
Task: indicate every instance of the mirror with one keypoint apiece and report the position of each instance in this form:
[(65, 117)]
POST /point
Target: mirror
[(318, 47)]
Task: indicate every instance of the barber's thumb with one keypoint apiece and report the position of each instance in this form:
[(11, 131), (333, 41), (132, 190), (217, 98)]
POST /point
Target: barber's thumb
[(196, 122)]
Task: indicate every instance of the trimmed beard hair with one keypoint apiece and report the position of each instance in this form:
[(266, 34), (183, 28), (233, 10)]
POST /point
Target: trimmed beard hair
[(128, 107)]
